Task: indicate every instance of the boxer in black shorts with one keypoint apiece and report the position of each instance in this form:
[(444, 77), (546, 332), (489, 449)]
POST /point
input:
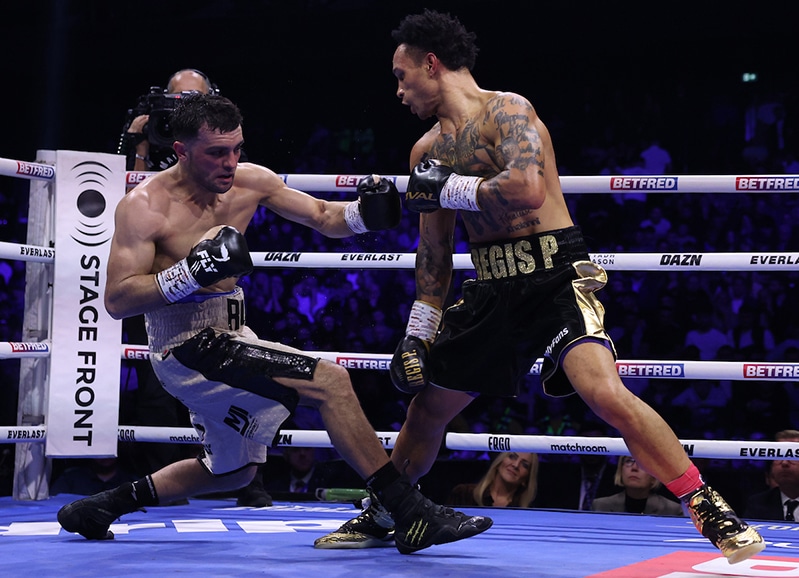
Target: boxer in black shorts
[(489, 158), (506, 319)]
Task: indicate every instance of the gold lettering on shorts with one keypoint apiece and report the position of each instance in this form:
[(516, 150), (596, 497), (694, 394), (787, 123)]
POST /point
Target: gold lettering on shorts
[(496, 258), (549, 246), (513, 258), (509, 259), (526, 260), (480, 260)]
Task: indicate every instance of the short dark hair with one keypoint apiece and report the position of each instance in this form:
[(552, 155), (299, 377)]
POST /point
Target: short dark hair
[(441, 34), (197, 110)]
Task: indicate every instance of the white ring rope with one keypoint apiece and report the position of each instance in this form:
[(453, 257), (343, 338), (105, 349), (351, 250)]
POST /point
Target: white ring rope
[(24, 170), (632, 368), (766, 261), (32, 253), (775, 261), (572, 184), (570, 445), (24, 349)]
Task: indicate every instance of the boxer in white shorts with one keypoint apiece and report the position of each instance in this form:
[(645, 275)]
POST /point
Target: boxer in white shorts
[(235, 424), (177, 250)]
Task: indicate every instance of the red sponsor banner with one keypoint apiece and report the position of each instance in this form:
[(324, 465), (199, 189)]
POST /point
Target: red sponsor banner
[(705, 565), (767, 183), (136, 353), (347, 180), (133, 178)]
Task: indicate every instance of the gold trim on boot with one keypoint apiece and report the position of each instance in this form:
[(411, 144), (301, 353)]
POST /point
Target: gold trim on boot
[(717, 522)]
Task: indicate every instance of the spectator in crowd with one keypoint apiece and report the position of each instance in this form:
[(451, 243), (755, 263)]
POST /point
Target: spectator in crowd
[(701, 402), (639, 495), (510, 482), (90, 476), (657, 221), (302, 477), (706, 335), (761, 406), (574, 485), (779, 502), (657, 160), (730, 296), (751, 340)]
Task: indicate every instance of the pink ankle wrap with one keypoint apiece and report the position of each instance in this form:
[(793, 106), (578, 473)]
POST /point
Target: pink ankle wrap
[(688, 482)]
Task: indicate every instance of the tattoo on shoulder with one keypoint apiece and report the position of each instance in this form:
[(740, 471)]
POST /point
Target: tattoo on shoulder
[(520, 141)]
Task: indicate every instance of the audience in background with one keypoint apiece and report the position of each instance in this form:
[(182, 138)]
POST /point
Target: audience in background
[(90, 476), (301, 478), (639, 494), (779, 502), (573, 482), (510, 482)]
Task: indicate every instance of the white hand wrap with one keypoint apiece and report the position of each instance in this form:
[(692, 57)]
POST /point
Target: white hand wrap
[(176, 282), (423, 321), (460, 192), (353, 218)]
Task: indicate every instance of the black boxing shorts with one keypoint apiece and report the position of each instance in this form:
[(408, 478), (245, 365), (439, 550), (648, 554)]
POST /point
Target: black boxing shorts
[(533, 297)]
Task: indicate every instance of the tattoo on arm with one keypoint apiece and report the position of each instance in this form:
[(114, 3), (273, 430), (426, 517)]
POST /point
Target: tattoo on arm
[(521, 144), (432, 275)]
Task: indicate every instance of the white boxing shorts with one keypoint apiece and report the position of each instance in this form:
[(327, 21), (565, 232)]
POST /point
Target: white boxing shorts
[(205, 356)]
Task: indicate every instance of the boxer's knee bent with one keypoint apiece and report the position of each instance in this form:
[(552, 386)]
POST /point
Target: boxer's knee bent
[(235, 480), (331, 381), (262, 370)]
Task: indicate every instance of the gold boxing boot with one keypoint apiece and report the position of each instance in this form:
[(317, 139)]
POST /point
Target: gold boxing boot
[(717, 522)]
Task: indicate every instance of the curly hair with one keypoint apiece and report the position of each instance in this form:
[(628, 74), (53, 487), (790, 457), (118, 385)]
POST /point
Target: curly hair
[(197, 110), (441, 34)]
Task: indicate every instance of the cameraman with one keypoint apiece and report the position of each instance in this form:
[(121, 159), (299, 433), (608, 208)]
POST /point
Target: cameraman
[(141, 154)]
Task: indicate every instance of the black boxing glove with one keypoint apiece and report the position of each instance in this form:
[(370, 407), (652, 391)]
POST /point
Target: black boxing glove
[(435, 186), (212, 259), (408, 367), (378, 206)]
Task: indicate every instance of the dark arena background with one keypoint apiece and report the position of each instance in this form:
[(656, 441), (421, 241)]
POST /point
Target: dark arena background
[(714, 84)]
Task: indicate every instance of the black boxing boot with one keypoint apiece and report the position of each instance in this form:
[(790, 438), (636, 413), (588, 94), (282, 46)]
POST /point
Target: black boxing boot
[(420, 523), (91, 517)]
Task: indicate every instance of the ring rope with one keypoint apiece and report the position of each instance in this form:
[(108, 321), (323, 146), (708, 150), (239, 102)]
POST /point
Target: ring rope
[(571, 184), (33, 253), (25, 170), (633, 368), (570, 445), (739, 261), (773, 261)]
